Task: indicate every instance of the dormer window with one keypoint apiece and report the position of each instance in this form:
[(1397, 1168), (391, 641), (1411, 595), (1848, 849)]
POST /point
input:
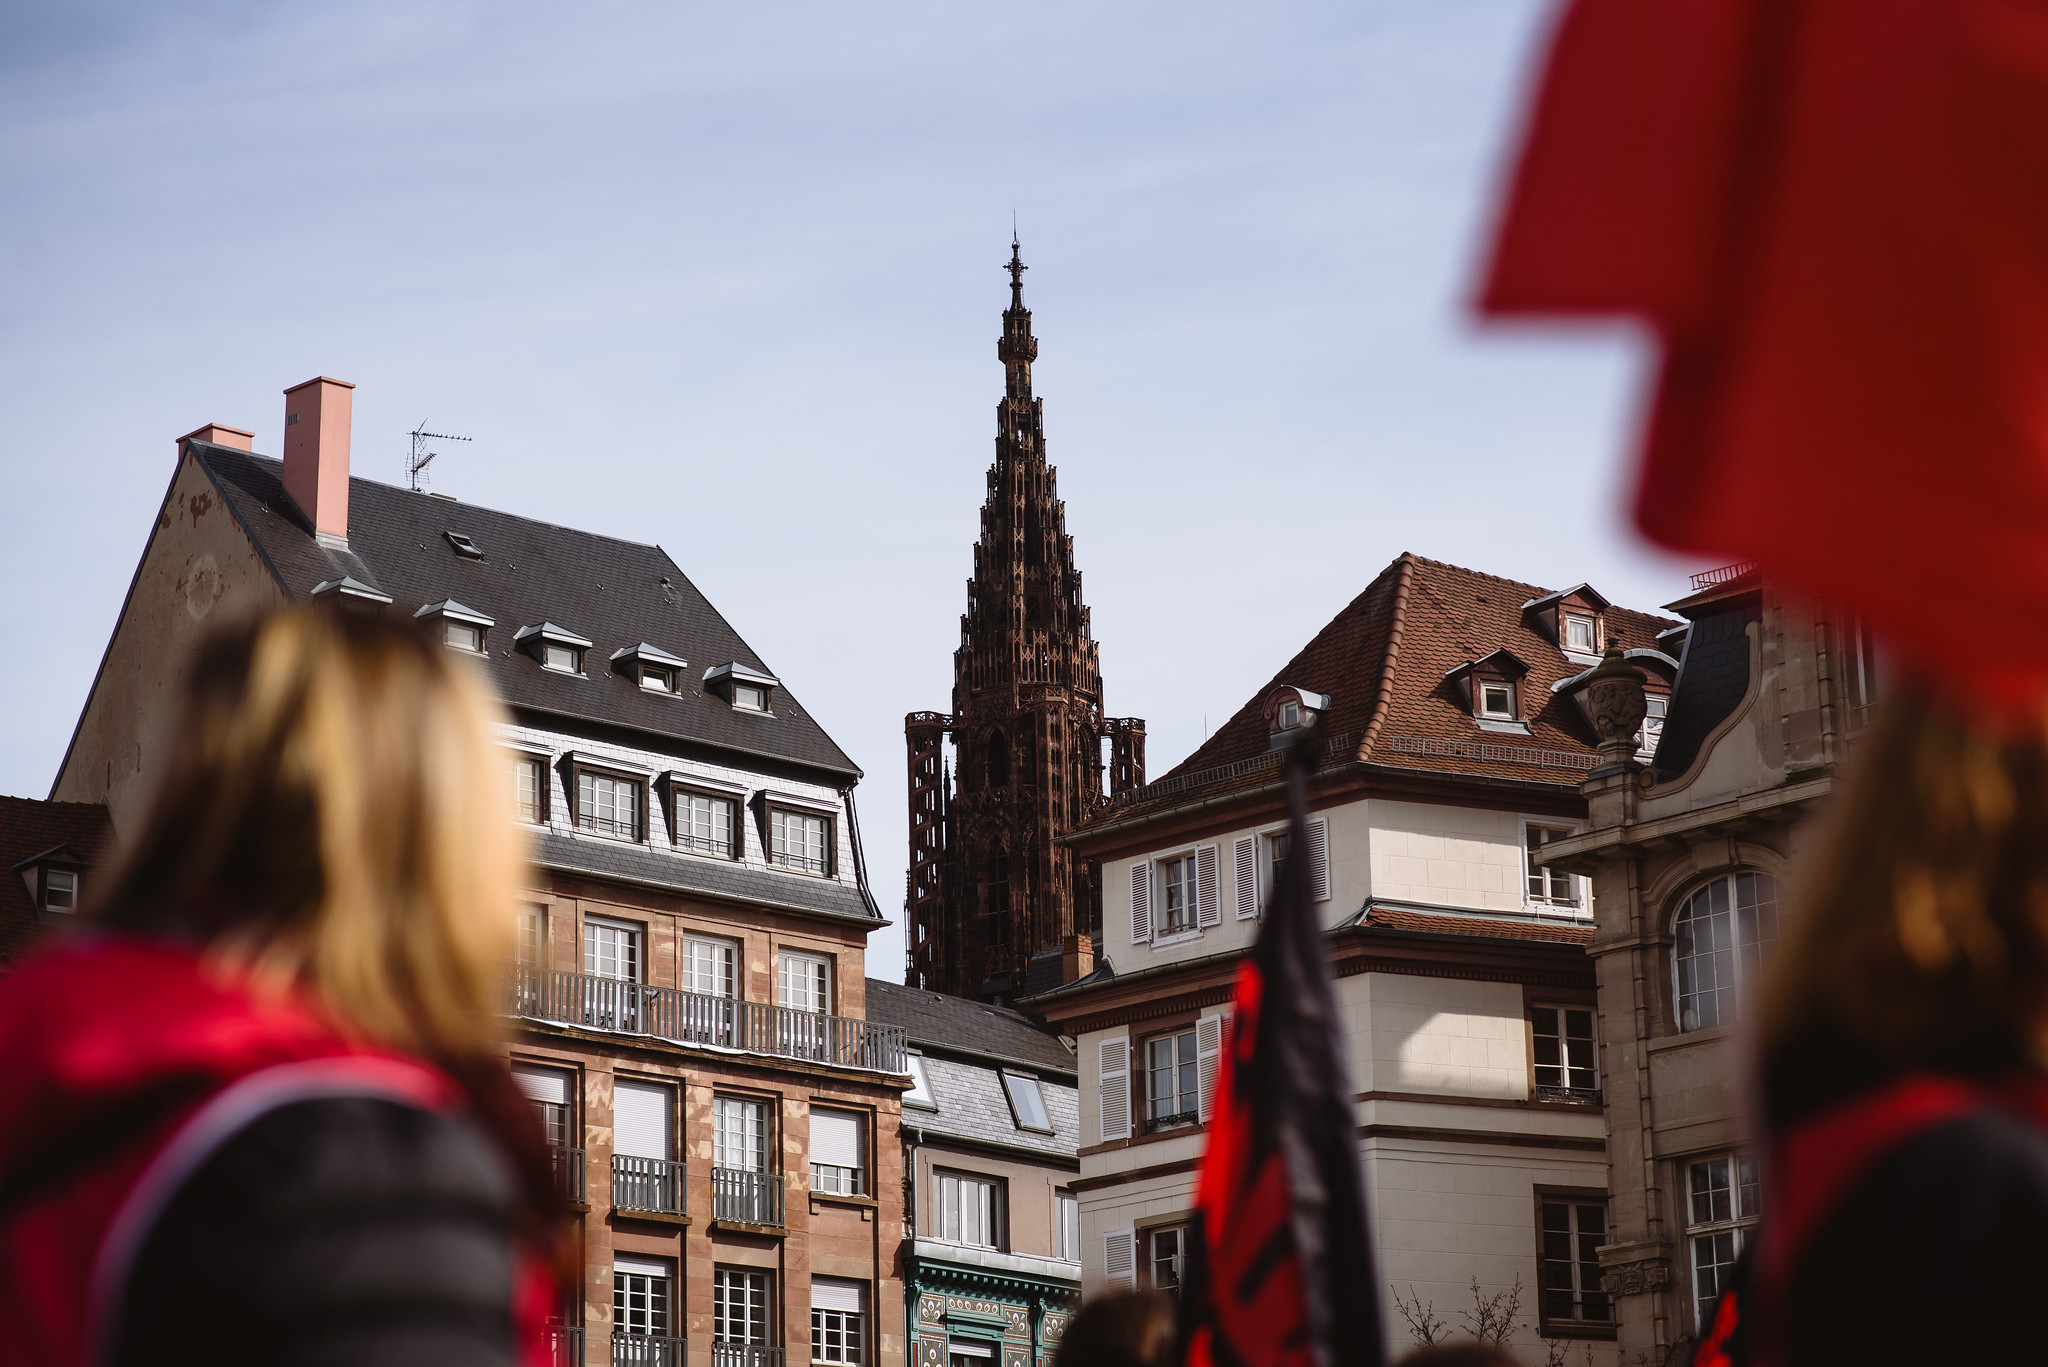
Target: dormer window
[(1289, 709), (60, 890), (653, 668), (462, 628), (744, 689), (1490, 690), (1581, 633), (1290, 715), (1497, 700), (558, 651), (53, 879)]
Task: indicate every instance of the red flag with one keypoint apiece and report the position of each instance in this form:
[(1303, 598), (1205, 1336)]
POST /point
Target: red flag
[(1280, 1272), (1834, 213)]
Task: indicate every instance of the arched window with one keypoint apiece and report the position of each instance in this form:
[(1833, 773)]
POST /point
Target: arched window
[(1723, 933)]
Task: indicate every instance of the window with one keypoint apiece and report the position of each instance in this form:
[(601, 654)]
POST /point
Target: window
[(1569, 1257), (1497, 700), (1170, 1081), (657, 679), (1724, 1196), (709, 966), (611, 949), (608, 804), (550, 1090), (1066, 1226), (838, 1143), (1721, 937), (533, 936), (560, 658), (967, 1210), (464, 546), (1656, 705), (796, 840), (1548, 886), (644, 1173), (1177, 894), (1164, 1250), (1027, 1103), (750, 697), (1581, 634), (920, 1093), (739, 1134), (59, 889), (838, 1329), (1290, 715), (463, 635), (739, 1307), (529, 789), (704, 823), (1565, 1058), (803, 982), (640, 1297)]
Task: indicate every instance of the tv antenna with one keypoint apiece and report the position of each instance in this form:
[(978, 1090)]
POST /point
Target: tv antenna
[(421, 457)]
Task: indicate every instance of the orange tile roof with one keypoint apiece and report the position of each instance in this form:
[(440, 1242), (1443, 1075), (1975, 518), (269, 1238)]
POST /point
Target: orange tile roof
[(1383, 661), (1555, 931)]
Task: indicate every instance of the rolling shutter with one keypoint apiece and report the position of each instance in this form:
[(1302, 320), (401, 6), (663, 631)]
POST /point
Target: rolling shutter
[(549, 1085), (1319, 859), (640, 1120), (1208, 909), (1115, 1060), (1141, 901), (1120, 1259), (837, 1293), (1208, 1053), (1247, 851), (638, 1266), (836, 1140)]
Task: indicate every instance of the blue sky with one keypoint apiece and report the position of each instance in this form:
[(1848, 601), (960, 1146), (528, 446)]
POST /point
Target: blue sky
[(727, 278)]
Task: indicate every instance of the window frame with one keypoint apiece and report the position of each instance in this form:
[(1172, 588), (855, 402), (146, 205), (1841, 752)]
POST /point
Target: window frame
[(1149, 1262), (1562, 1089), (1480, 708), (852, 1346), (1183, 862), (861, 1171), (1012, 1082), (764, 1153), (782, 859), (948, 1227), (687, 968), (526, 761), (636, 783), (1549, 1326), (919, 1093), (532, 916), (821, 980), (1154, 1122), (756, 694), (1747, 960), (1578, 903), (1646, 738), (1066, 1225), (1590, 620), (634, 929), (621, 1313), (45, 877), (680, 794), (1736, 1226), (723, 1275)]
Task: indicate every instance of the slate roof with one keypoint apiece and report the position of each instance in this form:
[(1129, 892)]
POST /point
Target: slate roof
[(616, 593), (972, 1106), (935, 1023), (1384, 660), (29, 827), (636, 863)]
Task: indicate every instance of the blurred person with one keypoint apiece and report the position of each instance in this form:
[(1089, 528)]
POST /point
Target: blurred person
[(1905, 1063), (255, 1108), (1119, 1329)]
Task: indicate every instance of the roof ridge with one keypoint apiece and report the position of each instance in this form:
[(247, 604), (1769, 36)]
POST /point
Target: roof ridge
[(1483, 574), (1397, 623)]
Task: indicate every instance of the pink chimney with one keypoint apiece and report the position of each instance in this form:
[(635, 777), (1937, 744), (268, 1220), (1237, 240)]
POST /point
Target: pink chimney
[(316, 424), (220, 434)]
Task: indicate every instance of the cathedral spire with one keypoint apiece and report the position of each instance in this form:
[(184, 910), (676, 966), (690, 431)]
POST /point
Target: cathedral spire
[(1018, 348)]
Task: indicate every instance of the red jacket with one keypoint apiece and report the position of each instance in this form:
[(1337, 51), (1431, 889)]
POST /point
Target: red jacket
[(124, 1066)]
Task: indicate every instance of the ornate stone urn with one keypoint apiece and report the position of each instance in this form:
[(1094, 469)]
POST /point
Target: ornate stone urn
[(1613, 695)]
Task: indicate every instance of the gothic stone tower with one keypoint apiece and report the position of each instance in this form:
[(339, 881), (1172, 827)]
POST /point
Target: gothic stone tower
[(989, 884)]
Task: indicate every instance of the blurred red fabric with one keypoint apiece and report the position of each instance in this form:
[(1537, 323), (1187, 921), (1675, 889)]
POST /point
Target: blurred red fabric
[(1834, 213)]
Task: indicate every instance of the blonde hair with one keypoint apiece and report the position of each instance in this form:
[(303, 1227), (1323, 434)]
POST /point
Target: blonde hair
[(1919, 938), (335, 814)]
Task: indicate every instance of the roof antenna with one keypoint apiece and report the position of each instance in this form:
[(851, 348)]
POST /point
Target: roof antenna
[(416, 464)]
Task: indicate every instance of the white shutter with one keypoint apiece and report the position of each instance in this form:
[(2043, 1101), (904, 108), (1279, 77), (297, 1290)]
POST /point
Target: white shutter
[(550, 1085), (1208, 908), (835, 1139), (1247, 877), (1208, 1054), (1319, 859), (1141, 901), (641, 1119), (638, 1266), (1120, 1259), (1115, 1059), (837, 1293)]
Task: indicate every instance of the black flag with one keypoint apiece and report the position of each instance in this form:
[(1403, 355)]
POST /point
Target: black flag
[(1280, 1273)]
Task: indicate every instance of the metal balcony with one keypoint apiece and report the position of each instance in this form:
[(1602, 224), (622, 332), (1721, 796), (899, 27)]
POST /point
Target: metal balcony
[(569, 1173), (648, 1350), (692, 1018), (725, 1354), (746, 1198), (565, 1345), (650, 1184)]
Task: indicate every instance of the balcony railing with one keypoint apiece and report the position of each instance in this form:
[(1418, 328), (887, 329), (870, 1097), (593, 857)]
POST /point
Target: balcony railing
[(648, 1350), (744, 1355), (747, 1198), (569, 1172), (565, 1345), (693, 1018), (651, 1184)]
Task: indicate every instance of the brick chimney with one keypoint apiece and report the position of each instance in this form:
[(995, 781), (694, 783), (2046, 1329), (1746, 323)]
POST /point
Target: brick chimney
[(316, 425), (1077, 958), (220, 434)]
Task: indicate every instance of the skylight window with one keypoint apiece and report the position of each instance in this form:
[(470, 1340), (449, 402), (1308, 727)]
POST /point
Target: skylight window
[(1027, 1103), (464, 547), (920, 1090)]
